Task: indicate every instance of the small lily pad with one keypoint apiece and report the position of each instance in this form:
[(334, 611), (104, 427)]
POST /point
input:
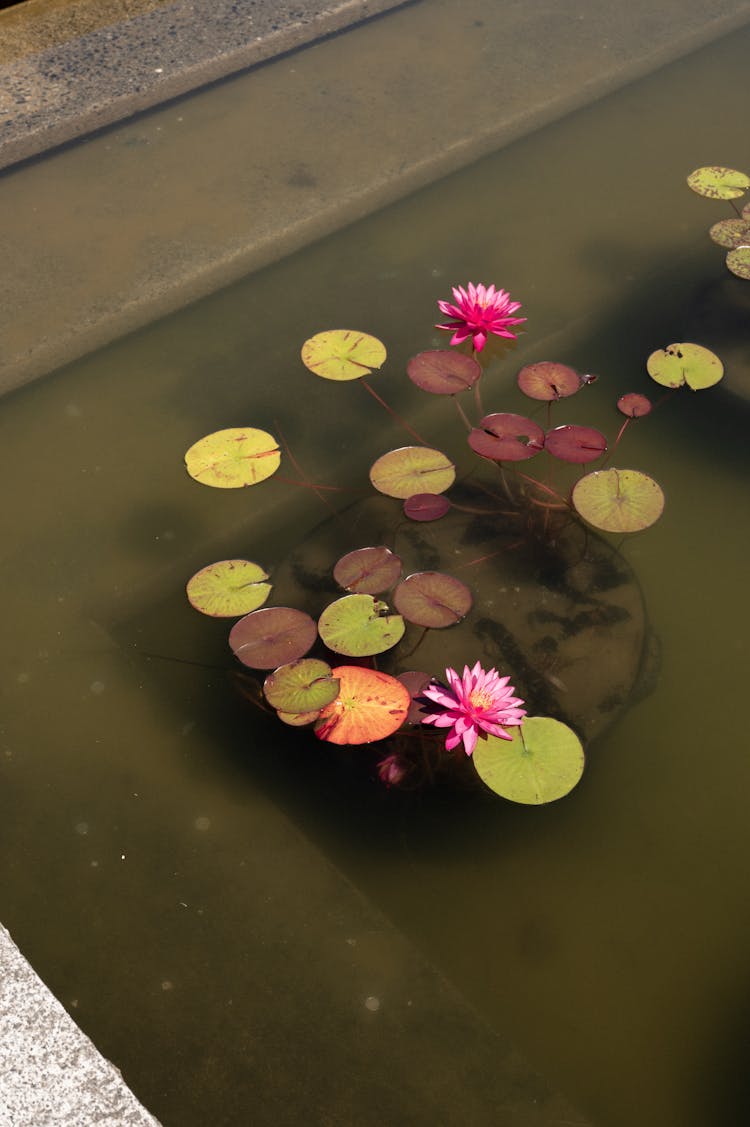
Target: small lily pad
[(233, 458), (228, 588), (731, 232), (505, 437), (633, 405), (358, 626), (618, 500), (548, 380), (690, 364), (343, 354), (442, 371), (718, 183), (368, 571), (412, 469), (298, 719), (738, 261), (432, 599), (272, 636), (370, 706), (301, 686), (542, 761), (575, 444), (426, 506)]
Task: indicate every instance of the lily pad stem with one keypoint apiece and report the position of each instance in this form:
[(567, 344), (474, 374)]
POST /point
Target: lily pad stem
[(402, 422)]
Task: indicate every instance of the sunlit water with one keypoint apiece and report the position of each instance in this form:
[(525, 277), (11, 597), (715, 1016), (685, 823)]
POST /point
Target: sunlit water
[(607, 933)]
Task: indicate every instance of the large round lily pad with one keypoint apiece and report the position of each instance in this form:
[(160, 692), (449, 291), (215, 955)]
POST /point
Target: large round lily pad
[(542, 761), (368, 571), (618, 500), (358, 626), (412, 469), (370, 706), (272, 636), (228, 588), (443, 371), (718, 183), (685, 363), (343, 354), (233, 458), (432, 599)]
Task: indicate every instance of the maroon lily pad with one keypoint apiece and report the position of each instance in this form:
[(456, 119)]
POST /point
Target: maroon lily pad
[(368, 571), (265, 639), (415, 682), (548, 380), (426, 506), (575, 444), (442, 371), (430, 598), (505, 437), (633, 405)]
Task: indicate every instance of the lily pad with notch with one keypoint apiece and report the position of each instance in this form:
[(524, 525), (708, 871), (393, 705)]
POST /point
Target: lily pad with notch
[(505, 437), (412, 469), (432, 599), (576, 444), (731, 233), (634, 405), (233, 458), (228, 588), (685, 363), (542, 761), (343, 354), (273, 636), (426, 506), (548, 380), (359, 626), (617, 500), (370, 706), (443, 371), (717, 182), (368, 571), (302, 686)]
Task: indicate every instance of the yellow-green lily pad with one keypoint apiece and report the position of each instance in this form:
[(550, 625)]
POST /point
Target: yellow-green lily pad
[(301, 686), (542, 761), (233, 458), (618, 500), (412, 469), (359, 626), (718, 183), (690, 364), (738, 261), (228, 589), (343, 354)]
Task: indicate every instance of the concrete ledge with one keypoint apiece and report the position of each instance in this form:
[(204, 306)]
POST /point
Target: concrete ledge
[(50, 1073)]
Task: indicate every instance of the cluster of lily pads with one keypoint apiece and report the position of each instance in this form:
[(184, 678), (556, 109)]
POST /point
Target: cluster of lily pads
[(718, 183), (324, 673)]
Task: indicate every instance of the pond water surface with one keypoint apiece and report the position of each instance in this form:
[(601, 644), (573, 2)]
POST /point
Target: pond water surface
[(607, 933)]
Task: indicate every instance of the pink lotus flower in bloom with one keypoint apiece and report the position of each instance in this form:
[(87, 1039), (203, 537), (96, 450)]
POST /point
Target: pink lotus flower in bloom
[(478, 311), (479, 701)]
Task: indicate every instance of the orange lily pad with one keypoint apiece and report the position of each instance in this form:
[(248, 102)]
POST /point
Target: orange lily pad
[(370, 706)]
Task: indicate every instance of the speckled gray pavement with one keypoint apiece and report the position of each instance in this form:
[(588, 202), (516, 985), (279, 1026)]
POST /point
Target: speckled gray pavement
[(105, 235)]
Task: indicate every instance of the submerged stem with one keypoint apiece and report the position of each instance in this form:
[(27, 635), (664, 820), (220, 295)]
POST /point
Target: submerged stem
[(402, 422)]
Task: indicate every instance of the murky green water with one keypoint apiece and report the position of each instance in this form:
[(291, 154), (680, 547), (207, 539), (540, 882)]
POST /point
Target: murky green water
[(608, 933)]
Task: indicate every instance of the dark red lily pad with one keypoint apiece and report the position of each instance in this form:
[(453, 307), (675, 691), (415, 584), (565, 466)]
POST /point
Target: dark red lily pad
[(426, 506), (368, 571), (442, 371), (548, 380), (633, 405), (432, 599), (265, 639), (575, 444), (505, 437)]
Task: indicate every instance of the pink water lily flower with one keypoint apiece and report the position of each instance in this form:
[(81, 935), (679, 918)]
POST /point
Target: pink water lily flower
[(479, 311), (478, 701)]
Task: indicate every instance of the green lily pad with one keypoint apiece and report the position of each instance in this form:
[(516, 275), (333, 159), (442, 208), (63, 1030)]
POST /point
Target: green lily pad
[(343, 354), (541, 763), (273, 636), (368, 571), (731, 232), (690, 364), (301, 686), (718, 183), (618, 500), (228, 588), (233, 458), (738, 261), (298, 719), (432, 599), (358, 626), (412, 469)]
